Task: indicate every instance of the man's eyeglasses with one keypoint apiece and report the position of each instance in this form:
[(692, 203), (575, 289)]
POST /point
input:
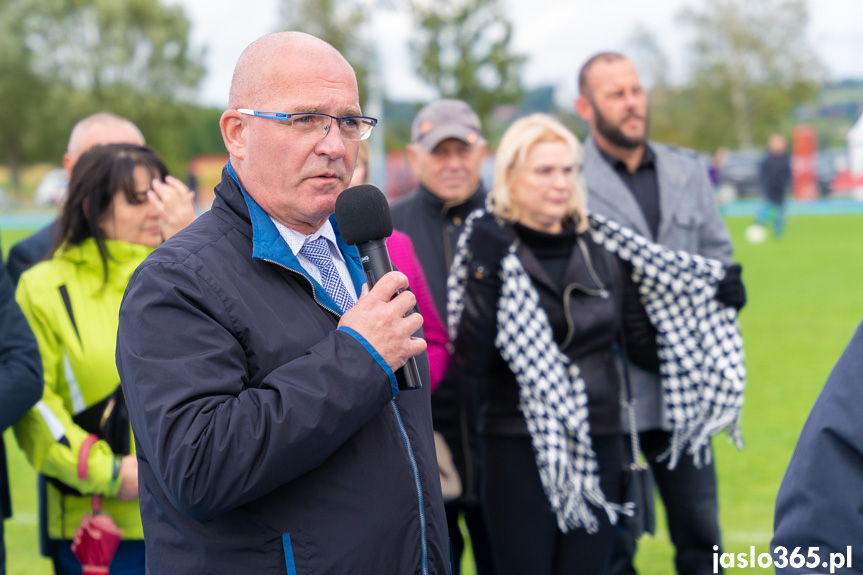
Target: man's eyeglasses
[(352, 128)]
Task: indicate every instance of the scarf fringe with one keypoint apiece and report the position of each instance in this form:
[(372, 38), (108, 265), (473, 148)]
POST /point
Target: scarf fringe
[(553, 400), (700, 348), (703, 393)]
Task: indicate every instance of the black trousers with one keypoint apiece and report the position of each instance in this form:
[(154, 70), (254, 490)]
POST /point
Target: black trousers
[(689, 496), (523, 531)]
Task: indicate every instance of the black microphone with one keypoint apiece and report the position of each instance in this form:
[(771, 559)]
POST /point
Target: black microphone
[(364, 220)]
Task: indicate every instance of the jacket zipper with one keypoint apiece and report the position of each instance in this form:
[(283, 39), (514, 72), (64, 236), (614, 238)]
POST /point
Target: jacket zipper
[(402, 430), (311, 285), (447, 251), (417, 483), (601, 292)]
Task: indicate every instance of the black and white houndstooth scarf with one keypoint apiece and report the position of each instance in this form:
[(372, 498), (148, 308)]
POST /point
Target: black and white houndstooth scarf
[(700, 353)]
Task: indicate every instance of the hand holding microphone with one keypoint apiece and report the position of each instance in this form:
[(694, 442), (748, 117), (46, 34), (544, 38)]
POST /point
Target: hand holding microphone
[(383, 314)]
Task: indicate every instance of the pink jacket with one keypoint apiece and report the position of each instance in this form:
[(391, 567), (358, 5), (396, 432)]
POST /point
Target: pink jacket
[(402, 254)]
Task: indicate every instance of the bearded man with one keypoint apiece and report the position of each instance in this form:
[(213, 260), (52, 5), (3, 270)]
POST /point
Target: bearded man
[(664, 194)]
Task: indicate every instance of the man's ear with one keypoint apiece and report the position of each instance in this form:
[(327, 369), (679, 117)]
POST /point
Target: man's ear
[(584, 109), (234, 133), (68, 163), (412, 157), (482, 148)]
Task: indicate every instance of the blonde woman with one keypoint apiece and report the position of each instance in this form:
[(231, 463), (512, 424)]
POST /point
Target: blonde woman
[(540, 332)]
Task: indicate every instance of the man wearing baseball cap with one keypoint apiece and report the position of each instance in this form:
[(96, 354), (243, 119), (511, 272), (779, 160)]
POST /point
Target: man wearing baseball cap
[(446, 154)]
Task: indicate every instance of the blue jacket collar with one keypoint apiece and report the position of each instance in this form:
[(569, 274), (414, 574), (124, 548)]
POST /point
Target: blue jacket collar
[(268, 245)]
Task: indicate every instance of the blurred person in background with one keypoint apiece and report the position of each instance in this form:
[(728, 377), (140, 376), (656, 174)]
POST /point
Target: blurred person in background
[(121, 205), (570, 289), (101, 128), (446, 154), (714, 170), (20, 382), (774, 171), (664, 194), (404, 258)]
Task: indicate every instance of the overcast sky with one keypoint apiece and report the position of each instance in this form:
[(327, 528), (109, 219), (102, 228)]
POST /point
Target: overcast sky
[(556, 35)]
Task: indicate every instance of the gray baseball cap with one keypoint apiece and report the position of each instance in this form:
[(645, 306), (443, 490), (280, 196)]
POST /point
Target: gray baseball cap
[(445, 119)]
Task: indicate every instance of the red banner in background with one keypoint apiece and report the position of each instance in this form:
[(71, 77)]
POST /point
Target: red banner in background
[(803, 162)]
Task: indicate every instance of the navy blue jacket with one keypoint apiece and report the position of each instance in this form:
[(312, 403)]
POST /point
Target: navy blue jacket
[(20, 380), (31, 250), (269, 441), (820, 500), (775, 173)]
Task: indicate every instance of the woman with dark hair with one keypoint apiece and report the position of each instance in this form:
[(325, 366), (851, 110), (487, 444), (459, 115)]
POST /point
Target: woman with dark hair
[(121, 205)]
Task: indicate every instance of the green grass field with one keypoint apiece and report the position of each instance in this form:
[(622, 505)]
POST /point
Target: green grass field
[(805, 301)]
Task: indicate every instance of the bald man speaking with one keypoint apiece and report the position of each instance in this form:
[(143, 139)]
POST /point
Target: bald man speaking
[(258, 367)]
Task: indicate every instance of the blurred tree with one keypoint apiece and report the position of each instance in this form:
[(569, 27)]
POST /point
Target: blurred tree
[(22, 92), (671, 113), (750, 64), (462, 48), (71, 58), (342, 23), (107, 47), (748, 68)]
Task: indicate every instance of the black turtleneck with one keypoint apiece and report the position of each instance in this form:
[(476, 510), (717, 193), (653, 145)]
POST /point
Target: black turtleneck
[(553, 251)]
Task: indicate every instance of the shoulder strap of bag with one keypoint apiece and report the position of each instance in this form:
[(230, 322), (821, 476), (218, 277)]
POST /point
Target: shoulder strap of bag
[(84, 455), (83, 472), (629, 402)]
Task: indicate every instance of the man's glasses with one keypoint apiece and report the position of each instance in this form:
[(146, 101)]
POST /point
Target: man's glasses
[(352, 128)]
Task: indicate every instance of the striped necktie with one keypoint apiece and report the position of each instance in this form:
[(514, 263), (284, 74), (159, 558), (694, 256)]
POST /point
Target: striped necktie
[(318, 252)]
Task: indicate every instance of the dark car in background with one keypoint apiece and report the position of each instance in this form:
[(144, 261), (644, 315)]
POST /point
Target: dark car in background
[(830, 162), (739, 179)]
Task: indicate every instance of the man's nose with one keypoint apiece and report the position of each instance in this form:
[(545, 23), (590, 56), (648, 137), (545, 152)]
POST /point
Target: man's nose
[(632, 100), (331, 144), (452, 161)]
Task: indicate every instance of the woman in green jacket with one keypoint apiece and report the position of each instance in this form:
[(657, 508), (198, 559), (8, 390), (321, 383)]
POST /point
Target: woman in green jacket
[(121, 205)]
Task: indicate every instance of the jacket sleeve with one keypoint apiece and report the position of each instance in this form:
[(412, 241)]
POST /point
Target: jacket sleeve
[(18, 261), (436, 338), (29, 251), (474, 350), (213, 440), (20, 366), (639, 334), (821, 496), (787, 173), (715, 242), (404, 257), (46, 433)]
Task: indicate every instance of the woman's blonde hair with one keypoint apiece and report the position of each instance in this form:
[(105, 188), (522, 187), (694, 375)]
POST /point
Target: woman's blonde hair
[(512, 153), (363, 154)]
